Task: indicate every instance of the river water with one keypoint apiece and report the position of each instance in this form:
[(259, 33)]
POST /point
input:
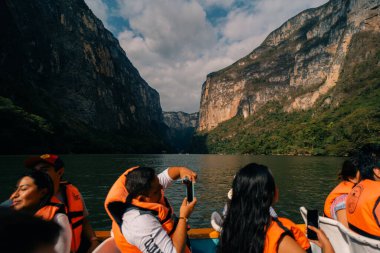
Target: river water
[(301, 180)]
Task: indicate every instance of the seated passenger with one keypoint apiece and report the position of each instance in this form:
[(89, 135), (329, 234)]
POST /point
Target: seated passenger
[(143, 220), (34, 195), (83, 236), (363, 202), (249, 227), (335, 204)]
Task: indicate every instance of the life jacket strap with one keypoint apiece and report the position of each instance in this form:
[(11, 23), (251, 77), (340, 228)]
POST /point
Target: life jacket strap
[(77, 224), (362, 232), (72, 215), (287, 231)]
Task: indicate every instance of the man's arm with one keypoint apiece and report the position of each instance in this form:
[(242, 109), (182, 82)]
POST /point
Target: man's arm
[(181, 172), (89, 234), (180, 233), (87, 231), (63, 243)]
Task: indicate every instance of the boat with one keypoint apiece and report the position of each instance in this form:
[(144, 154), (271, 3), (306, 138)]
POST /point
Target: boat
[(203, 240)]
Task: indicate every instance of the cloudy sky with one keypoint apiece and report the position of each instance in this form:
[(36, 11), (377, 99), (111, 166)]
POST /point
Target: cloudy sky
[(175, 43)]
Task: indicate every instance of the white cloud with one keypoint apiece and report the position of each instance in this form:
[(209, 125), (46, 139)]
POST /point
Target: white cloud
[(218, 3), (174, 46), (171, 28)]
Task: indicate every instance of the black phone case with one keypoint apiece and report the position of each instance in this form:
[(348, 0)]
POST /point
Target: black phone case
[(312, 219), (189, 191)]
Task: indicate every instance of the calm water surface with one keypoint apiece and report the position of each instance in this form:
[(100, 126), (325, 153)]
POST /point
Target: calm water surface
[(301, 180)]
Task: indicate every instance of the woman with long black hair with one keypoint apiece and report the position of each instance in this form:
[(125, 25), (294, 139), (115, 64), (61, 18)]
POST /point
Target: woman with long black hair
[(249, 227)]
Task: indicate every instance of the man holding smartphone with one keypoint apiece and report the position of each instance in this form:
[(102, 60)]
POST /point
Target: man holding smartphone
[(143, 220)]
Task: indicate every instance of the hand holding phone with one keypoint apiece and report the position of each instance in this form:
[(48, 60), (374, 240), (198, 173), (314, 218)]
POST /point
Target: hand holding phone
[(312, 220), (189, 189)]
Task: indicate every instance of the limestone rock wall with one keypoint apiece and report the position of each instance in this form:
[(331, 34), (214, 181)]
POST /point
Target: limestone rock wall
[(295, 65), (181, 129), (59, 62)]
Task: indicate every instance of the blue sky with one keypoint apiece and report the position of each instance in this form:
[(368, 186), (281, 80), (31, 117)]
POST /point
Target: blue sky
[(175, 43)]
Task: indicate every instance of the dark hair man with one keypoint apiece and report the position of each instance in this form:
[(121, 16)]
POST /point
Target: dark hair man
[(69, 195), (143, 220)]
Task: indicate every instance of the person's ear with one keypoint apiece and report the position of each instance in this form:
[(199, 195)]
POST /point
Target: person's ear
[(276, 195), (376, 173), (43, 192), (142, 198), (60, 172), (355, 179)]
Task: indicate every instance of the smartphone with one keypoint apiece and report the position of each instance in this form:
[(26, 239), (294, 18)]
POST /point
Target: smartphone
[(189, 189), (312, 219)]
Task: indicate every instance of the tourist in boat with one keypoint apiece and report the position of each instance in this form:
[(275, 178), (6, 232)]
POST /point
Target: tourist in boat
[(83, 236), (249, 227), (335, 204), (363, 202), (143, 220), (35, 236), (34, 195), (217, 219)]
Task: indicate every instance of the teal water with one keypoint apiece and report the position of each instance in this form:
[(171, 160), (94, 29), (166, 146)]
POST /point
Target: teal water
[(301, 180)]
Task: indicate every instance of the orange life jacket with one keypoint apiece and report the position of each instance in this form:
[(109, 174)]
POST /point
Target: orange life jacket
[(343, 187), (280, 227), (363, 209), (116, 204), (75, 208), (50, 209)]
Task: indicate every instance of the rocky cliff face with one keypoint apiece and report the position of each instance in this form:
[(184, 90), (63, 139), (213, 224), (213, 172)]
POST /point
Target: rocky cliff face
[(181, 120), (296, 65), (181, 129), (57, 61)]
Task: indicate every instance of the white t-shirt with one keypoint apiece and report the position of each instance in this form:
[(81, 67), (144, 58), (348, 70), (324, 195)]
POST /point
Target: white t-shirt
[(144, 230), (64, 240)]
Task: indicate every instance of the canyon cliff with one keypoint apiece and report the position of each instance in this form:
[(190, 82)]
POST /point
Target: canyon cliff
[(298, 62), (66, 85), (181, 129), (304, 66)]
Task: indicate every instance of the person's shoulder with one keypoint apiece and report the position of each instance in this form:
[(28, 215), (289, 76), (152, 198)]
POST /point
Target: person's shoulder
[(286, 220), (136, 220), (7, 203), (61, 219), (68, 184), (69, 187)]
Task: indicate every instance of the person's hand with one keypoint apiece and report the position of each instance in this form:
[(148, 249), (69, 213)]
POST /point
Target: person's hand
[(322, 242), (187, 208), (186, 172)]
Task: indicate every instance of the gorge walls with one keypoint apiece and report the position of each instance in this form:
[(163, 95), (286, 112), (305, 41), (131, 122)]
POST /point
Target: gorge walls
[(296, 65)]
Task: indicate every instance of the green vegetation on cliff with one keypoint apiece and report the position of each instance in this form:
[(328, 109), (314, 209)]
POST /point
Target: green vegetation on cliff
[(343, 120), (24, 132)]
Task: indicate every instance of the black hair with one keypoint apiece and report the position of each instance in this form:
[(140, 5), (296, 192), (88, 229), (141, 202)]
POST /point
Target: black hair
[(43, 181), (368, 159), (139, 181), (349, 169), (23, 233), (248, 217)]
